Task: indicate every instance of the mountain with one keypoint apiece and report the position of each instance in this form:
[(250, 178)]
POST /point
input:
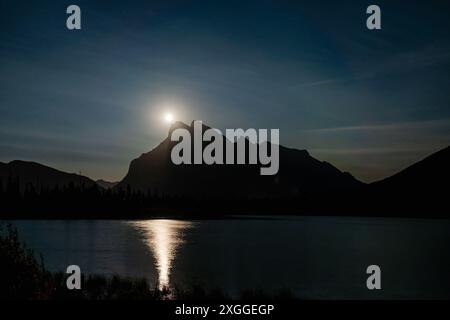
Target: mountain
[(106, 184), (428, 176), (421, 188), (303, 184), (299, 175), (26, 173)]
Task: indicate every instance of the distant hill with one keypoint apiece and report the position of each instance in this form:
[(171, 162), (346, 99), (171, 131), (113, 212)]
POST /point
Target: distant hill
[(432, 173), (38, 175), (423, 186), (106, 184), (299, 174)]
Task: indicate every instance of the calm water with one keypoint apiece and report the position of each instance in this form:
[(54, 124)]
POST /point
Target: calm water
[(315, 257)]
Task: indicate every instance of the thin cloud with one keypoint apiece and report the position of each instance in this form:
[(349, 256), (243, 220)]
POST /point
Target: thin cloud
[(405, 61), (318, 83), (390, 126)]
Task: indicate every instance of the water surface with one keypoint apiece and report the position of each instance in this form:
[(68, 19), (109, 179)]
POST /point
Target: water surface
[(314, 257)]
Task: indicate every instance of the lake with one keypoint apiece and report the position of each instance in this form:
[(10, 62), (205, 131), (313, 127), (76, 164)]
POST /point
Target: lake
[(313, 257)]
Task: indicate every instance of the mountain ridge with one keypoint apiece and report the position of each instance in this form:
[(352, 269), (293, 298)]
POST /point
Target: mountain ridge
[(154, 171), (300, 176), (155, 186), (39, 175)]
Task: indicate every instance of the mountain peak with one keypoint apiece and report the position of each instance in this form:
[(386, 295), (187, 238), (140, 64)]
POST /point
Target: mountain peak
[(299, 174), (182, 125), (178, 125)]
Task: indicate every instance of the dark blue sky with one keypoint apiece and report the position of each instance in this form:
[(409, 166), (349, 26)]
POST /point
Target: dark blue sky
[(370, 102)]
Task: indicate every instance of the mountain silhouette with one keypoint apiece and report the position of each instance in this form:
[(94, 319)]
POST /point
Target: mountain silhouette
[(39, 176), (420, 190), (303, 185), (428, 176), (299, 174), (106, 184)]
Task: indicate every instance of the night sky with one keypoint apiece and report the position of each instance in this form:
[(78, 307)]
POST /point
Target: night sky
[(369, 102)]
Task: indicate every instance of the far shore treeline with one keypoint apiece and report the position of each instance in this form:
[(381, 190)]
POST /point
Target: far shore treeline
[(84, 202), (94, 202)]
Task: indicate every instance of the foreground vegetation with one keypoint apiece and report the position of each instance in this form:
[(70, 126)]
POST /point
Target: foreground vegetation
[(23, 277)]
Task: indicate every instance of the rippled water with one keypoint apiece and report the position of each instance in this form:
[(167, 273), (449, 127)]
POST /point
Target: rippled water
[(314, 257), (164, 238)]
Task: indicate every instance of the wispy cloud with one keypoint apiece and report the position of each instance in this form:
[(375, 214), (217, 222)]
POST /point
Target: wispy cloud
[(317, 83), (401, 62), (387, 126), (368, 151)]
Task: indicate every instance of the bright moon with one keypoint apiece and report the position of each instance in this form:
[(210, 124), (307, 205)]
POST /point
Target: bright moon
[(168, 118)]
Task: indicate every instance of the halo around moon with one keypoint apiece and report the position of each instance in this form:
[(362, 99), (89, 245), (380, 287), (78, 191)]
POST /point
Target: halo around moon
[(169, 118)]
